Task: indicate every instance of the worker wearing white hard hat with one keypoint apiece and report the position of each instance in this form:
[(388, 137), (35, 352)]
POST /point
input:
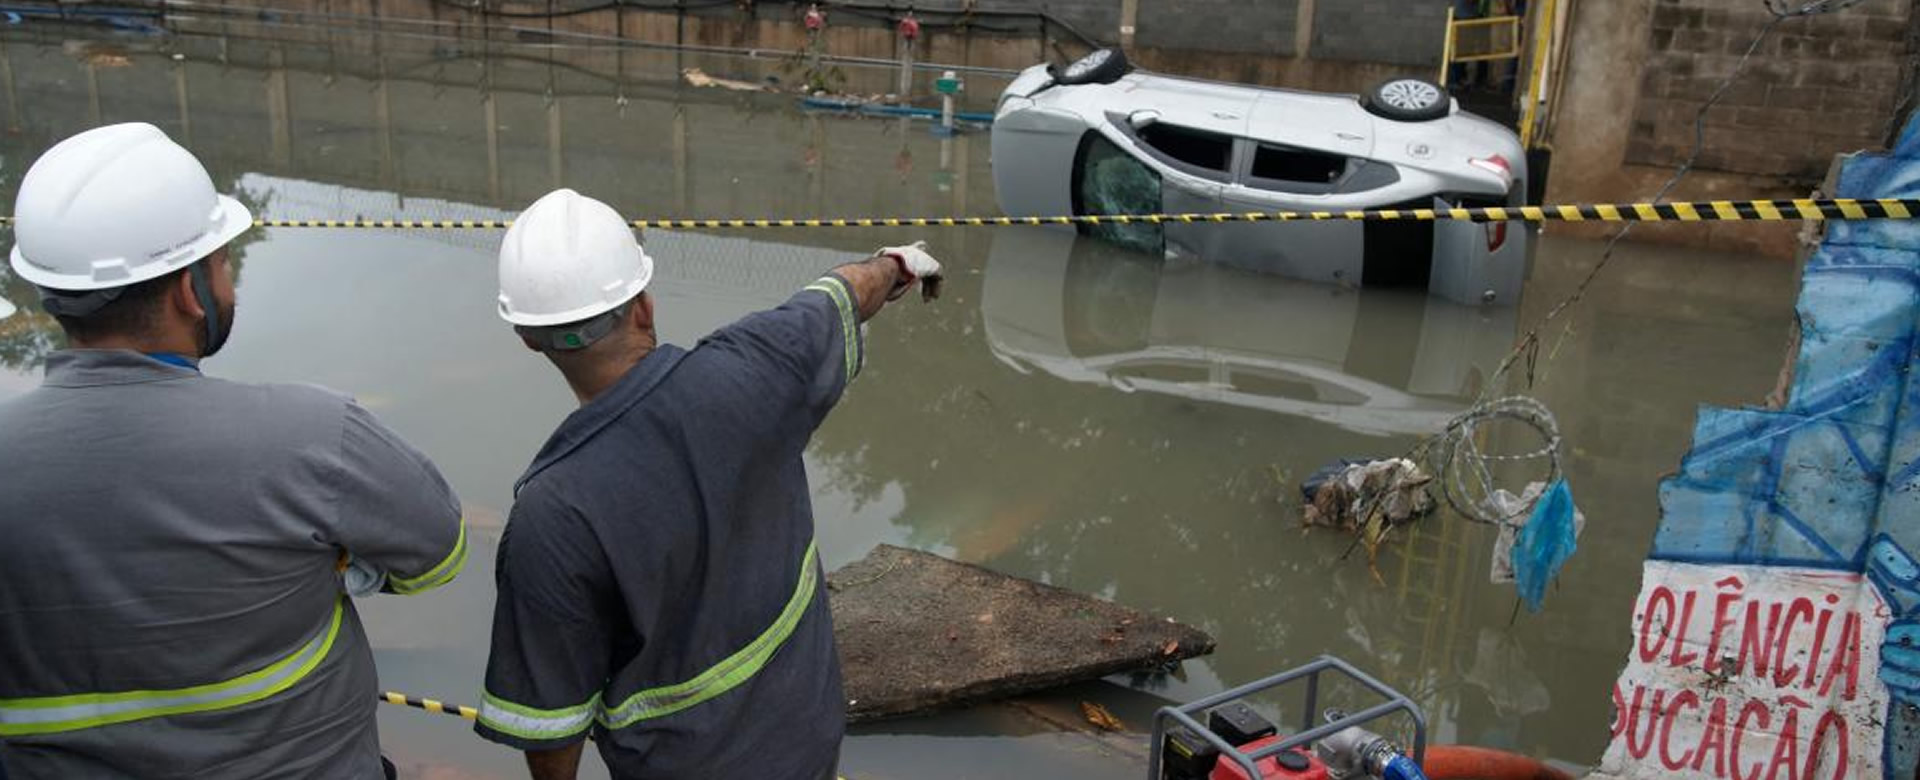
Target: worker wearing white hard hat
[(179, 548), (658, 576)]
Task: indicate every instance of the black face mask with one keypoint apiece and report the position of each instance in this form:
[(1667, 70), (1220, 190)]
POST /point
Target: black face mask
[(218, 327)]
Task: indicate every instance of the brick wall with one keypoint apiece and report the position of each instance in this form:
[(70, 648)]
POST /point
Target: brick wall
[(1816, 86)]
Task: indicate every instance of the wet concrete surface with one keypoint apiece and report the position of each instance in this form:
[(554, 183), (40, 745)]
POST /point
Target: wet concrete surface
[(919, 633), (1068, 413)]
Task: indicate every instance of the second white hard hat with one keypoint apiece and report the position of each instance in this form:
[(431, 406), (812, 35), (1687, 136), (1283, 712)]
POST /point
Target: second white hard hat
[(566, 258), (115, 206)]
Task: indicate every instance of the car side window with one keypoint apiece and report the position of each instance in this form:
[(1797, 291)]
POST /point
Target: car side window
[(1198, 153), (1108, 181), (1289, 169), (1281, 163), (1300, 171), (1198, 148)]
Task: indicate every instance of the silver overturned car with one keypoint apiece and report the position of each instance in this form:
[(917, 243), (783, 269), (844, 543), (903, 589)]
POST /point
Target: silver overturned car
[(1098, 138)]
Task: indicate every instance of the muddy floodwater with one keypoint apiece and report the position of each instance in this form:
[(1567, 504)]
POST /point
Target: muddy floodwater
[(1067, 412)]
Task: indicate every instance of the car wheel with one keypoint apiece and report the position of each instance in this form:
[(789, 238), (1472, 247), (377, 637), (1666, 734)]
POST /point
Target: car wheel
[(1409, 100), (1102, 66)]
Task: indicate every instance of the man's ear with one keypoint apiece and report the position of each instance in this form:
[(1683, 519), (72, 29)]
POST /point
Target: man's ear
[(182, 299), (643, 312)]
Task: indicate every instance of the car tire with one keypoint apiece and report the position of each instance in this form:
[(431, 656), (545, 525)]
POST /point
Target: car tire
[(1409, 99), (1101, 66)]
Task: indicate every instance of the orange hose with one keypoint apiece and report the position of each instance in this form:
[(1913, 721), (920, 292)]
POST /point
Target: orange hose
[(1461, 762)]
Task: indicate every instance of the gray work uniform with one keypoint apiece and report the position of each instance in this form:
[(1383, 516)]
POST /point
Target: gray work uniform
[(659, 584), (170, 602)]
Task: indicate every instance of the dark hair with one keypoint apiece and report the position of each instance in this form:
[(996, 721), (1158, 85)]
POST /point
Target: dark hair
[(137, 310)]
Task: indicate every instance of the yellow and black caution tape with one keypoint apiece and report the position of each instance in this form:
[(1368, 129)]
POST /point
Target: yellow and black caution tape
[(430, 705), (1689, 211), (1697, 211), (1836, 209)]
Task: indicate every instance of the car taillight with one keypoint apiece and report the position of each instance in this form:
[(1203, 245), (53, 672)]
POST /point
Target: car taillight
[(1496, 165), (1496, 236)]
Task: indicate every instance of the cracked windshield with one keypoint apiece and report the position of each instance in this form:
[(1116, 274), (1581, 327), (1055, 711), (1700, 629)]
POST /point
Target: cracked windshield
[(1088, 389)]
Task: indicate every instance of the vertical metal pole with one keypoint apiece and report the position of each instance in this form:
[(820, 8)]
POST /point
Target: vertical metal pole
[(383, 122), (93, 95), (960, 162), (1303, 30), (180, 98), (14, 120), (946, 108), (1537, 75), (680, 193), (818, 187), (963, 157), (905, 89), (1041, 39), (1446, 53), (556, 165), (279, 118), (491, 115), (1129, 21)]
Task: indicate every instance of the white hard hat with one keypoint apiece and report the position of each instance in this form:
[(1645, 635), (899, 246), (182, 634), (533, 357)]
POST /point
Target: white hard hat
[(115, 206), (566, 258)]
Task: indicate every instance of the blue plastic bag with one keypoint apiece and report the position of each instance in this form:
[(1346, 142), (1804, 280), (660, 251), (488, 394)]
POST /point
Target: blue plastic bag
[(1546, 542)]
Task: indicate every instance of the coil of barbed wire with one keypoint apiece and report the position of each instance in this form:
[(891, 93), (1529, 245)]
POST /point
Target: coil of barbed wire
[(1464, 470)]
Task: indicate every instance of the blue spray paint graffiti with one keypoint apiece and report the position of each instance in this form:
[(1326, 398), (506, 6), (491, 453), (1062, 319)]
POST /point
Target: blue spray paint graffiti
[(1832, 480)]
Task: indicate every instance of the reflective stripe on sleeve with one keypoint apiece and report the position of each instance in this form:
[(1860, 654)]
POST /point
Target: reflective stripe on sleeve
[(729, 673), (48, 715), (842, 296), (441, 574), (525, 722)]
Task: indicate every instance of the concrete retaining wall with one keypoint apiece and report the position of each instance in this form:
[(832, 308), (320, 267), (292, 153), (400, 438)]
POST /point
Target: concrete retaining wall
[(1220, 25), (1402, 32)]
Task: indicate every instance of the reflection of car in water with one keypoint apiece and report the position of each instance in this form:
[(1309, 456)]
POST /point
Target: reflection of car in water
[(1093, 138), (1374, 362)]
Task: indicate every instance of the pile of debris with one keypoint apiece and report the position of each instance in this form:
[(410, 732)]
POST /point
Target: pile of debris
[(1368, 498)]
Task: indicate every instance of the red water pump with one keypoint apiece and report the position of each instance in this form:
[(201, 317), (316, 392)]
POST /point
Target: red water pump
[(1236, 743), (1188, 756)]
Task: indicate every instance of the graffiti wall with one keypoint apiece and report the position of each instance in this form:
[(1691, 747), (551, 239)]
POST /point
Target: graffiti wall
[(1777, 632)]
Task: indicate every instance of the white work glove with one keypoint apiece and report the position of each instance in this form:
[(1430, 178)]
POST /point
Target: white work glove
[(359, 578), (915, 266)]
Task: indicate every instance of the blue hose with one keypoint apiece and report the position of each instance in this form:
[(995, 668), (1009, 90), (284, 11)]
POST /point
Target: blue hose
[(1402, 768)]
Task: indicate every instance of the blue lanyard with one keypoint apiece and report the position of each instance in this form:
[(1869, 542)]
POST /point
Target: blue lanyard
[(173, 359)]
